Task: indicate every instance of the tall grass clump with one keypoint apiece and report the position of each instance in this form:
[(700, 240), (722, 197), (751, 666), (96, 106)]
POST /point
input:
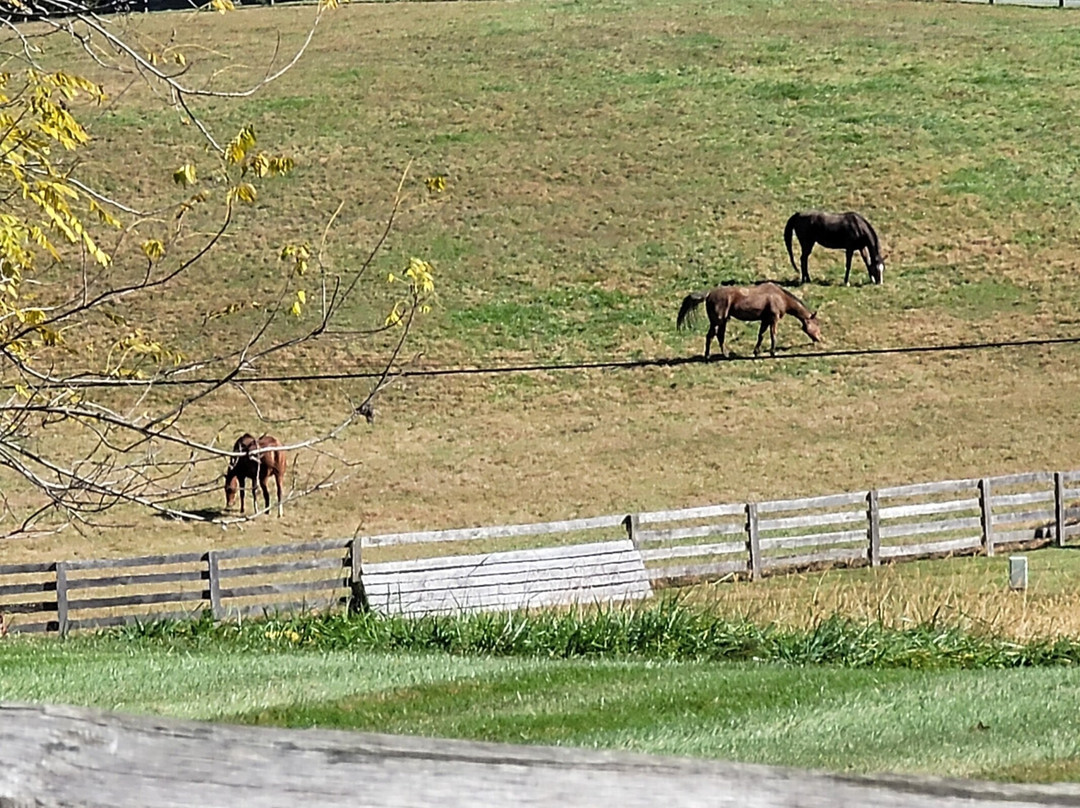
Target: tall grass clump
[(666, 630)]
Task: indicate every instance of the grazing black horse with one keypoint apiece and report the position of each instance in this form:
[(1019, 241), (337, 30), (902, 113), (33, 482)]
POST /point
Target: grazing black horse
[(835, 231)]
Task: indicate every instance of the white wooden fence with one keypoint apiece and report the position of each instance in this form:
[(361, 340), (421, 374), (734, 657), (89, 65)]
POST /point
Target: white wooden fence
[(604, 559)]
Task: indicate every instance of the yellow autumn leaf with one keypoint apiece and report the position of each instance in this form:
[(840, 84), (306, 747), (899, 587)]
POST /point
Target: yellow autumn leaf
[(185, 175), (239, 146), (153, 249), (245, 192), (260, 165)]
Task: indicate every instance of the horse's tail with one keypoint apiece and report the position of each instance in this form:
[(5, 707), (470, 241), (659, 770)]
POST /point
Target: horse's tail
[(689, 304), (789, 228)]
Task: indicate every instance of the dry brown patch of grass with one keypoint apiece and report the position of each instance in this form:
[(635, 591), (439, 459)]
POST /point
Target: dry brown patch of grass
[(971, 593)]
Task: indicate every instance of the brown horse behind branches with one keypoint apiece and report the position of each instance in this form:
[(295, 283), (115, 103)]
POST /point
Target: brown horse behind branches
[(259, 461), (835, 231), (766, 302)]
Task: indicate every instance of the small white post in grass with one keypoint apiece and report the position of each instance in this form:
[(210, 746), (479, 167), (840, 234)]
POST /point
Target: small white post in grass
[(1017, 572)]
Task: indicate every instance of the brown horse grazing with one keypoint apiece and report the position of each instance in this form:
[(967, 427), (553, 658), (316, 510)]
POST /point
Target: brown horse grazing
[(835, 231), (254, 465), (765, 301)]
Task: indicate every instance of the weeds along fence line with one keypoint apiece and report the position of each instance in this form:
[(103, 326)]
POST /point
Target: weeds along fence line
[(603, 559)]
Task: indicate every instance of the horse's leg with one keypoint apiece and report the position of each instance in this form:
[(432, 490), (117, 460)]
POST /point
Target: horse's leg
[(243, 484), (847, 271), (805, 260), (722, 332), (772, 335), (277, 479), (265, 489), (865, 253), (760, 336), (709, 339)]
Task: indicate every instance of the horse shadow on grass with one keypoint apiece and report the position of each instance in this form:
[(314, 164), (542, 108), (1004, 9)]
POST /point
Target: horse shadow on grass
[(193, 515)]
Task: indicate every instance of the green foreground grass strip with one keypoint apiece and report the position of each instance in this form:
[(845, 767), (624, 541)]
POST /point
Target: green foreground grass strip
[(666, 630), (663, 678)]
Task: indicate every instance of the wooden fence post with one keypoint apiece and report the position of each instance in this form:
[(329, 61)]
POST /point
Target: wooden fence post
[(753, 545), (632, 526), (986, 516), (215, 584), (61, 598), (1059, 508), (358, 601), (873, 529)]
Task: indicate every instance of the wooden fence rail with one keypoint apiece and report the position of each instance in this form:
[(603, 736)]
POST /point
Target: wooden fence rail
[(80, 757), (601, 559)]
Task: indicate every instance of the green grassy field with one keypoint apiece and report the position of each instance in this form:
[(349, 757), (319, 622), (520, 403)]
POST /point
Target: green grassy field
[(602, 160)]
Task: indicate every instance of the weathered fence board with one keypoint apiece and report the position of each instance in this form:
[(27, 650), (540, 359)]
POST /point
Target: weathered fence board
[(928, 508), (680, 533), (690, 550), (304, 565), (1008, 500), (285, 588), (140, 561), (145, 599), (811, 539), (20, 569), (1021, 516), (807, 559), (923, 489), (811, 520), (20, 589), (88, 758), (704, 570), (135, 580), (514, 579), (922, 528), (283, 549), (686, 514), (809, 503), (497, 532), (493, 573), (929, 548)]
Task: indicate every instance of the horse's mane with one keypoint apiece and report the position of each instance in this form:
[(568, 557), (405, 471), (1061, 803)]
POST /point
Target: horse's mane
[(872, 233), (793, 297)]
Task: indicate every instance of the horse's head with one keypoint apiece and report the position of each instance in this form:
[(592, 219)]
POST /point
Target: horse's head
[(812, 327), (232, 485), (876, 269)]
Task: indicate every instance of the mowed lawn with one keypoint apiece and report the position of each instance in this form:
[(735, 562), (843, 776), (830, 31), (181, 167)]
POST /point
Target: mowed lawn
[(1001, 724)]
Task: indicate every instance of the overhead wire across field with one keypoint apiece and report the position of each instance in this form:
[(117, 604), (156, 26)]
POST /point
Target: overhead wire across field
[(626, 364)]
